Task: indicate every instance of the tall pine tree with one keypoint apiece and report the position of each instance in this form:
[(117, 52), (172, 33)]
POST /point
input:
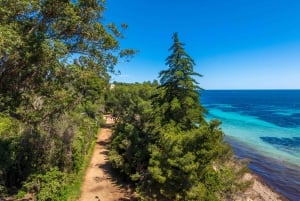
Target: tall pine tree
[(179, 100), (187, 156), (174, 155)]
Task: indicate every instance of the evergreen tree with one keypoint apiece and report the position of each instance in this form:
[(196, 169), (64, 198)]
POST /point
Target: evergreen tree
[(166, 147), (186, 156), (179, 98)]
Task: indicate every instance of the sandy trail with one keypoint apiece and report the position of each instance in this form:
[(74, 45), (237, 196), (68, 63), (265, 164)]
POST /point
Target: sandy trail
[(99, 184)]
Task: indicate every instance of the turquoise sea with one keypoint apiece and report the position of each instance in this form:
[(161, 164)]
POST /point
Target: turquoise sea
[(263, 126)]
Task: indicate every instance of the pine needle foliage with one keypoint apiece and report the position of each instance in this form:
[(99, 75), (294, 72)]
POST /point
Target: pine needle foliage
[(162, 141), (179, 98)]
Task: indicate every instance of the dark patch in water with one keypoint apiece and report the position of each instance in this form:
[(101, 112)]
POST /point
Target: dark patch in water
[(265, 105), (284, 142), (291, 121)]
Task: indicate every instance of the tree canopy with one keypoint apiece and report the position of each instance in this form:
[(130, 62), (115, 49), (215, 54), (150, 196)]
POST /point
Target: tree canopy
[(56, 58), (55, 63), (54, 46), (167, 147)]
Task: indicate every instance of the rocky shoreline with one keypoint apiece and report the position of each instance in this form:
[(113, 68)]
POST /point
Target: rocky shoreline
[(258, 191)]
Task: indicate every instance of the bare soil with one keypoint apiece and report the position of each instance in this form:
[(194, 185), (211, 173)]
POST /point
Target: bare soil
[(101, 182)]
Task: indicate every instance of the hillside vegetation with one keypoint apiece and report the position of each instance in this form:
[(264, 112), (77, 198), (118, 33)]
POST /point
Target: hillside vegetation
[(55, 60), (163, 143)]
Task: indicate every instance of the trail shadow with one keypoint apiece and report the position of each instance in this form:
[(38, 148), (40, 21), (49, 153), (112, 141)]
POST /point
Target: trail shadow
[(104, 152), (103, 143), (108, 125), (117, 179), (127, 199)]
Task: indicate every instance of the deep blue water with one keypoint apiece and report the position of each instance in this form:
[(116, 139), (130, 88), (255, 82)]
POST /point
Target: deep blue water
[(263, 126)]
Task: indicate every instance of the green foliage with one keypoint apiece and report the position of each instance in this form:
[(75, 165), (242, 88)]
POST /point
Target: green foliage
[(72, 191), (6, 124), (181, 160), (20, 194), (48, 186), (178, 99), (162, 141), (129, 151), (32, 150), (43, 34), (54, 55), (3, 190), (131, 105), (55, 63), (129, 102)]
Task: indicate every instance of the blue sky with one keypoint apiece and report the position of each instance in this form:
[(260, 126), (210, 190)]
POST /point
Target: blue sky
[(236, 44)]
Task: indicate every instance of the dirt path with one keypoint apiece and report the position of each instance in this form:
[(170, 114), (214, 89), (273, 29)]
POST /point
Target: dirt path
[(99, 182)]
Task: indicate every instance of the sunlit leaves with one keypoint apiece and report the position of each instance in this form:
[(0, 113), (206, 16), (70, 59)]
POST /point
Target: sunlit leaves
[(56, 57), (39, 38)]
